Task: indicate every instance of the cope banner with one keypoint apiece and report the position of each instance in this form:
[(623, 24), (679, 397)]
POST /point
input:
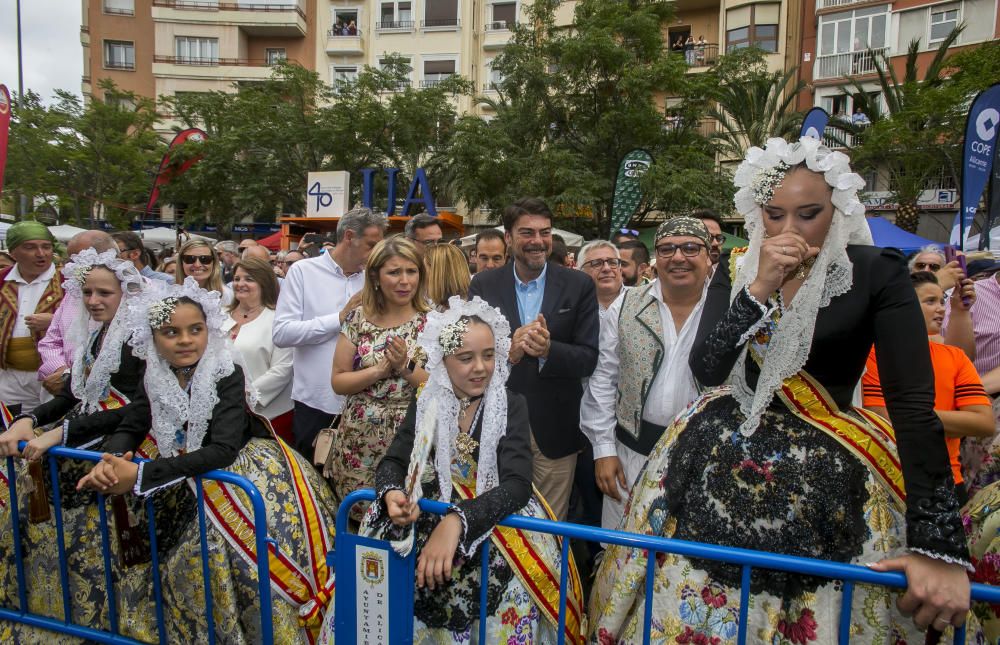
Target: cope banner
[(981, 129)]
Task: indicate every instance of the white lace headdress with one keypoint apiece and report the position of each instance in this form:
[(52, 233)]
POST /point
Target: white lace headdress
[(172, 406), (438, 406), (92, 388), (832, 274)]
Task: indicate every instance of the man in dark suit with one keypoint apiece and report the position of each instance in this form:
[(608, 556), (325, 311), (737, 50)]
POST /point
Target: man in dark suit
[(553, 312)]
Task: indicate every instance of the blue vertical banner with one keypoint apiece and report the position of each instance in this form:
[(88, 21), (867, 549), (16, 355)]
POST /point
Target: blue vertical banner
[(981, 128), (814, 123)]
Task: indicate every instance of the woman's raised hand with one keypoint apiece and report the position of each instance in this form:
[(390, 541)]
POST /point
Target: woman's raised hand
[(780, 256), (396, 353)]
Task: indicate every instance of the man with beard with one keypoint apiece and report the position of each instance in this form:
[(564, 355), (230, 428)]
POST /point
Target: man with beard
[(713, 223), (635, 261), (553, 311)]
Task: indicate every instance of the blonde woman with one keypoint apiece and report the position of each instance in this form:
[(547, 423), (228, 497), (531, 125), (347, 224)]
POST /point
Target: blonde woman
[(447, 274), (377, 364), (198, 260)]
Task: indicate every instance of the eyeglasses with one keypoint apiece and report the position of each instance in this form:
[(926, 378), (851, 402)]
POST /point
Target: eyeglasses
[(720, 238), (688, 249), (926, 266), (613, 263), (201, 259)]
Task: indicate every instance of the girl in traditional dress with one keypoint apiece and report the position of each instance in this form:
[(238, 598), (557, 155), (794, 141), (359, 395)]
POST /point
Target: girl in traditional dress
[(102, 384), (780, 461), (199, 417), (466, 425)]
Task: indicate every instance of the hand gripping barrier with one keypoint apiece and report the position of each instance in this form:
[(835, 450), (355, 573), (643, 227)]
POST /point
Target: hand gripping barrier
[(65, 625), (357, 622)]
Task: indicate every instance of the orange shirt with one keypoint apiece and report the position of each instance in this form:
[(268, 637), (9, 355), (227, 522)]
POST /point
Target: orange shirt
[(956, 385)]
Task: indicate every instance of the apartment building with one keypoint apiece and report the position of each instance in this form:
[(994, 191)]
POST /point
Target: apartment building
[(843, 38), (163, 47)]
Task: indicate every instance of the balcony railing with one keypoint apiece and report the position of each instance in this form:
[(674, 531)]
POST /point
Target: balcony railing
[(433, 80), (210, 5), (334, 33), (831, 4), (215, 62), (119, 65), (440, 23), (393, 24), (701, 55), (500, 25), (851, 64), (117, 11)]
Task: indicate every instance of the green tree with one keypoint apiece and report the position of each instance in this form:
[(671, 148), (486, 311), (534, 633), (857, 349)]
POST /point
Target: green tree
[(572, 103), (264, 139), (751, 103), (86, 160)]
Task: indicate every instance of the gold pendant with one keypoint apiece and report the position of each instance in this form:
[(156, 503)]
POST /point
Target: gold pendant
[(465, 446), (804, 268)]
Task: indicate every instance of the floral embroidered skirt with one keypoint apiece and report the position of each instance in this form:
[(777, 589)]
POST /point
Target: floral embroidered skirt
[(451, 614), (235, 596), (982, 525), (84, 557), (789, 488)]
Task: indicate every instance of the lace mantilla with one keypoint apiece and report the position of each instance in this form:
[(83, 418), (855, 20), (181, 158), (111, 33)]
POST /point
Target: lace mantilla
[(172, 407), (831, 275), (438, 407), (93, 387)]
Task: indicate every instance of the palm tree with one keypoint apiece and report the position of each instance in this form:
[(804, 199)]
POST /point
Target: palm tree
[(753, 108), (912, 137)]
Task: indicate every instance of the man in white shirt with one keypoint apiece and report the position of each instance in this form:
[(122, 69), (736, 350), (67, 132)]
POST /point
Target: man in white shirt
[(316, 296), (646, 337)]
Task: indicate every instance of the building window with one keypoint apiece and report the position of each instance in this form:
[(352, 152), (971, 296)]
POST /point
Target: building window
[(944, 18), (436, 71), (503, 15), (120, 101), (119, 54), (343, 74), (440, 13), (197, 51), (404, 81), (345, 21), (396, 15), (494, 76), (754, 25), (853, 31), (275, 54), (120, 7)]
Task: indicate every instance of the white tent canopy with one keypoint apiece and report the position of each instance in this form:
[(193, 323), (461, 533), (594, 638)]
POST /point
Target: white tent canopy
[(64, 232), (993, 246), (161, 237), (571, 239)]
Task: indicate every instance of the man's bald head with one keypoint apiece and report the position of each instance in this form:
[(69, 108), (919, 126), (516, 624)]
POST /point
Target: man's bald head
[(97, 240), (257, 251)]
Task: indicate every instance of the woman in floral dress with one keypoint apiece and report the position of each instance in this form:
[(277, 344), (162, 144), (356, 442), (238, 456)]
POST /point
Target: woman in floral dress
[(377, 364)]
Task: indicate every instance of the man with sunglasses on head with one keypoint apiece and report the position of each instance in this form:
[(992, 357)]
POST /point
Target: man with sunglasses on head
[(624, 235), (642, 378)]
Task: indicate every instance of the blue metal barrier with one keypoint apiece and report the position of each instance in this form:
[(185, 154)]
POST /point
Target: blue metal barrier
[(65, 625), (401, 580)]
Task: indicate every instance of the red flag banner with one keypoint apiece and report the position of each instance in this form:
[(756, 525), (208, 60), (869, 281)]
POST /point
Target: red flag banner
[(165, 172), (4, 130)]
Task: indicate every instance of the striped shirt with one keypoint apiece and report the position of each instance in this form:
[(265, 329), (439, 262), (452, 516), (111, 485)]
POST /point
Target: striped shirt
[(985, 323)]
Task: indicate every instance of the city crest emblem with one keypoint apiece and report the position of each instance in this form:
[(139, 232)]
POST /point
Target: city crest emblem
[(372, 568)]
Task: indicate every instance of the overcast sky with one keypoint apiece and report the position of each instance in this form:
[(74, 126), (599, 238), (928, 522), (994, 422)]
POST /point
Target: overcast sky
[(50, 33)]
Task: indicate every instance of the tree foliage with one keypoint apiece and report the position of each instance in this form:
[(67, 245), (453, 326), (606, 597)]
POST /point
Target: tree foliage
[(264, 139), (84, 161), (572, 103)]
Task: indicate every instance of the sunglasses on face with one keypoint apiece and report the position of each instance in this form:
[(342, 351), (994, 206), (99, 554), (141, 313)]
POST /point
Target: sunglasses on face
[(204, 260), (926, 266), (688, 249), (614, 263)]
